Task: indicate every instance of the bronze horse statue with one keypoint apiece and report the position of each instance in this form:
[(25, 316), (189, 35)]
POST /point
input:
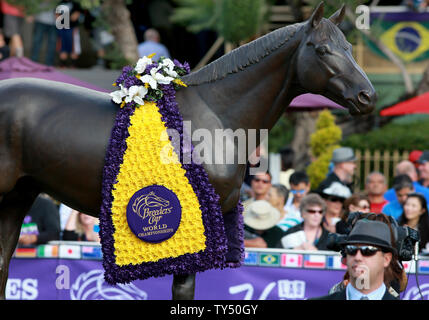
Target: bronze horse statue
[(53, 136)]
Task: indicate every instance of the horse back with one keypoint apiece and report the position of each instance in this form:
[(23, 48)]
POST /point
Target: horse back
[(57, 134)]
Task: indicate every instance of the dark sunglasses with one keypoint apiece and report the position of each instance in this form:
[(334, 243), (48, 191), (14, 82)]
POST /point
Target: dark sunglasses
[(366, 251), (261, 180), (311, 211)]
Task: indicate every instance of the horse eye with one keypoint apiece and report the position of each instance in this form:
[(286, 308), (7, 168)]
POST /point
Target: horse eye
[(322, 50)]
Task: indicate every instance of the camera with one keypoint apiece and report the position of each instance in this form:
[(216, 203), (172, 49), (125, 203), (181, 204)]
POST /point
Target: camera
[(405, 237)]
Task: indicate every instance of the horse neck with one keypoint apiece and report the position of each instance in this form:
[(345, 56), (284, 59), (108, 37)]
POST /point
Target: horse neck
[(255, 97)]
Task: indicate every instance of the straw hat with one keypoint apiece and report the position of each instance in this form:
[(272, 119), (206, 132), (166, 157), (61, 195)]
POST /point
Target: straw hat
[(261, 215)]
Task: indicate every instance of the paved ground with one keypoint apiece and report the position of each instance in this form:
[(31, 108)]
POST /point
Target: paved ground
[(100, 77)]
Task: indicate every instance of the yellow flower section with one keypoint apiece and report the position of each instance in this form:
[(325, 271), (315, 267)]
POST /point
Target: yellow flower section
[(150, 159)]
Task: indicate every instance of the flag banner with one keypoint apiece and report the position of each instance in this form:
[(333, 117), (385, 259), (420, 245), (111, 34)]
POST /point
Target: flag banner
[(404, 33), (424, 266), (47, 251), (70, 252), (91, 252), (272, 259), (314, 261), (409, 266), (251, 258), (291, 260), (25, 253), (334, 262)]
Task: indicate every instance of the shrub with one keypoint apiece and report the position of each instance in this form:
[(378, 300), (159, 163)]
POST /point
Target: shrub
[(392, 136), (322, 142)]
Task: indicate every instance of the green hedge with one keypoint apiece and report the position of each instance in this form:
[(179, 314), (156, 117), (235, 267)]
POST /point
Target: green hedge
[(392, 137)]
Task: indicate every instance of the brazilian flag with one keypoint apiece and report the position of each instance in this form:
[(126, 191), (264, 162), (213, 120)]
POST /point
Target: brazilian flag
[(405, 33)]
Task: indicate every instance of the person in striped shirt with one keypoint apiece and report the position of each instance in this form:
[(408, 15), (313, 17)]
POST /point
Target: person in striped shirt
[(299, 187)]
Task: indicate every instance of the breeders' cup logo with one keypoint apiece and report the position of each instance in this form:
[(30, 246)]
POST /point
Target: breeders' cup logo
[(91, 286), (154, 213), (414, 294), (151, 207)]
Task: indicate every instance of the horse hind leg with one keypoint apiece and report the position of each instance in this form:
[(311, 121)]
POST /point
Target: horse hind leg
[(183, 287), (13, 208)]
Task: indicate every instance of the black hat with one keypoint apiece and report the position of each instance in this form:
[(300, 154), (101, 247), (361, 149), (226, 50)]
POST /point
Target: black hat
[(424, 157), (370, 232)]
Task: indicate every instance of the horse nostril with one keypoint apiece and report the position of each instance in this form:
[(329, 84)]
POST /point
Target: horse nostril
[(364, 97)]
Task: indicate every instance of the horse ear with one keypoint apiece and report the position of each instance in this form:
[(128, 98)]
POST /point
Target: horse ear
[(338, 16), (317, 15)]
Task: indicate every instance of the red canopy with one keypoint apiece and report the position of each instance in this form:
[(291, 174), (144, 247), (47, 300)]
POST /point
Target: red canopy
[(419, 104)]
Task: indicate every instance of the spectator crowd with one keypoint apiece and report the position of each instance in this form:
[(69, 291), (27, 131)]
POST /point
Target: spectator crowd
[(293, 214), (56, 33), (64, 41), (297, 216)]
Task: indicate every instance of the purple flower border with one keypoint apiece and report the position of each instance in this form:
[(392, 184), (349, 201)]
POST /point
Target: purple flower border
[(224, 234)]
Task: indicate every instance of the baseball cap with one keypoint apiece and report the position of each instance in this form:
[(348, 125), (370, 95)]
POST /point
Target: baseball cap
[(424, 157)]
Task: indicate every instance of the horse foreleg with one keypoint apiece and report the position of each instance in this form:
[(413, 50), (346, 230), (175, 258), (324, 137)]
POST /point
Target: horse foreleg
[(183, 287), (13, 208)]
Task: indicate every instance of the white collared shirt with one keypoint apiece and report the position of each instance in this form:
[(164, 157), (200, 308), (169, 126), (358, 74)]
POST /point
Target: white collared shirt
[(353, 294)]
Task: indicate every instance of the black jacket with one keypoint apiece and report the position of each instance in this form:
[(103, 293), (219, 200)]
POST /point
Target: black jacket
[(341, 295), (46, 215)]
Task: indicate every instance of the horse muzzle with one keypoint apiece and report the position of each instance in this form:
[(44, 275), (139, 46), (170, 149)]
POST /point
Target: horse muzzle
[(363, 103)]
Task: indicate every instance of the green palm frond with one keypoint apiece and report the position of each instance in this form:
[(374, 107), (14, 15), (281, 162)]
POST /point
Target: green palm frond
[(195, 15)]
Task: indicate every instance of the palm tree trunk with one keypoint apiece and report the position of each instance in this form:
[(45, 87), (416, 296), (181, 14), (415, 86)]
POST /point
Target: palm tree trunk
[(118, 17), (305, 125)]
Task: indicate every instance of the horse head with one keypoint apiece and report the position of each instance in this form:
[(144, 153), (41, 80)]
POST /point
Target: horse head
[(326, 65), (152, 200)]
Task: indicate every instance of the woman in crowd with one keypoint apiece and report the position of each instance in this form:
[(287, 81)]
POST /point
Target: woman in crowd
[(357, 202), (334, 195), (310, 234), (260, 230), (416, 216), (277, 197), (81, 227)]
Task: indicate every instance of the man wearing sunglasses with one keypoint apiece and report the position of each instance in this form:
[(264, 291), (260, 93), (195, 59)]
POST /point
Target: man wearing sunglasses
[(260, 185), (367, 252)]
